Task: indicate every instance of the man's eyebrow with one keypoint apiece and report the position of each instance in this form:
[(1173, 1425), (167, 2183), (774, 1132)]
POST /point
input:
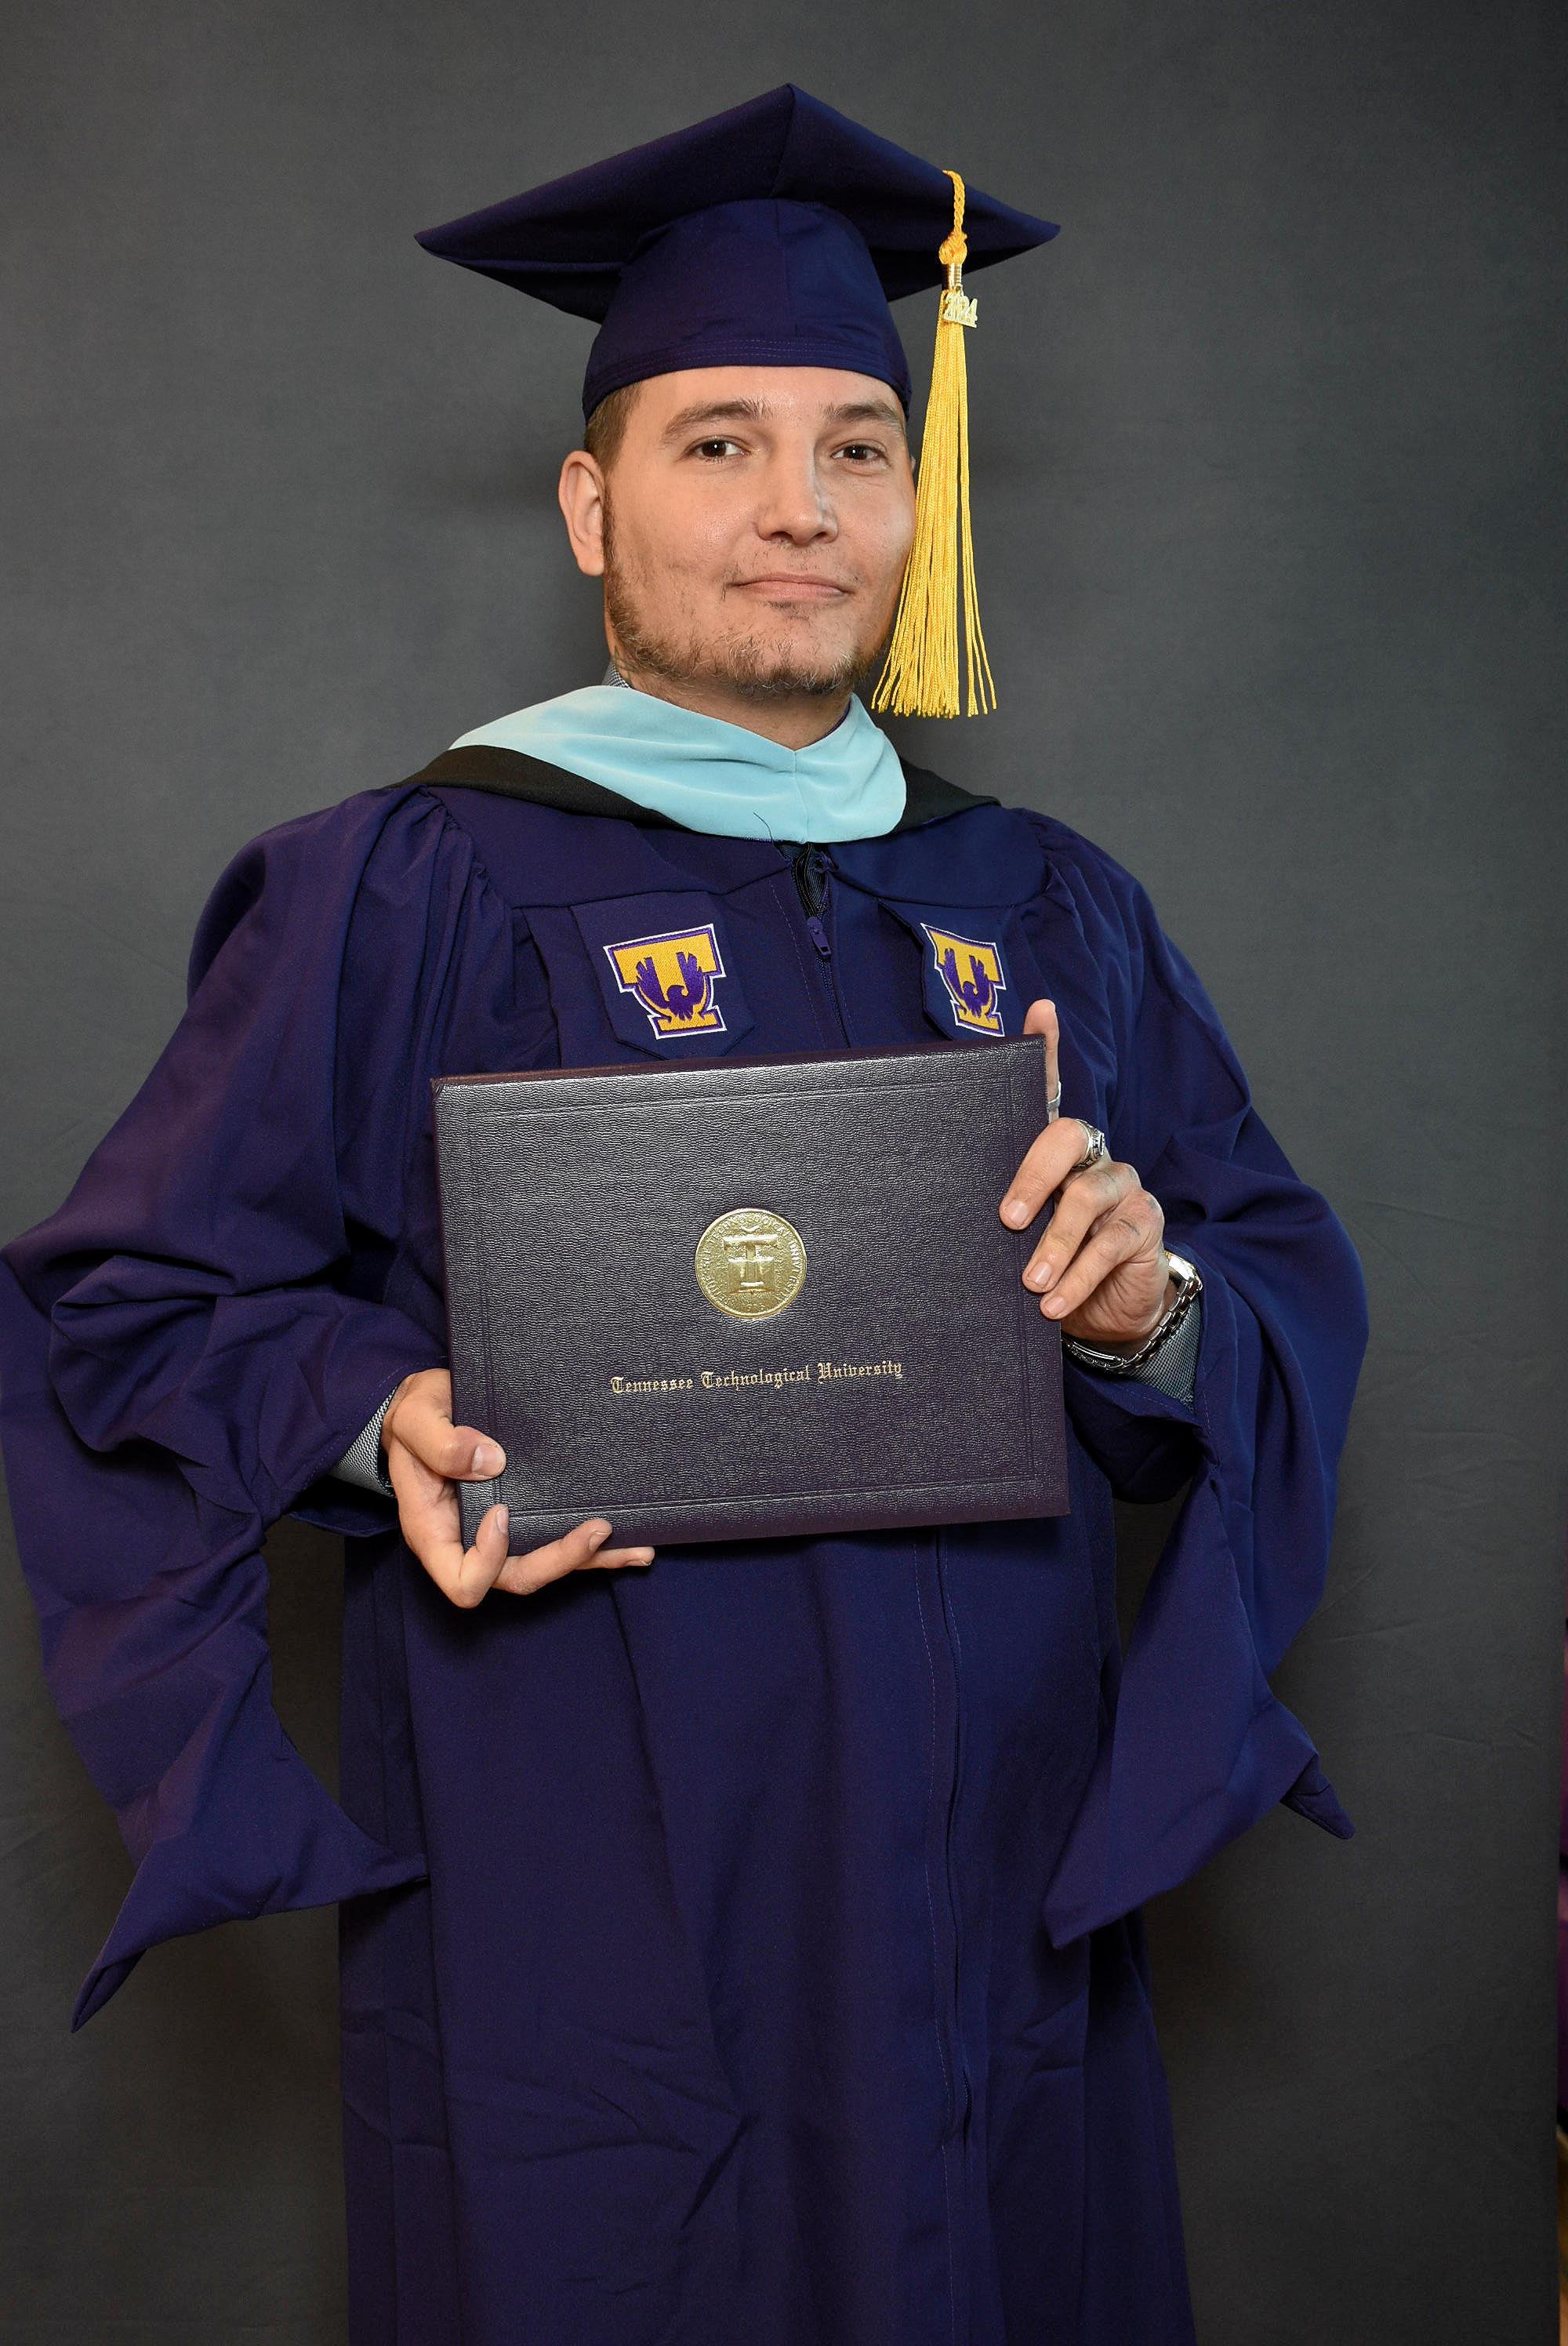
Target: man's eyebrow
[(714, 410), (867, 410), (756, 411)]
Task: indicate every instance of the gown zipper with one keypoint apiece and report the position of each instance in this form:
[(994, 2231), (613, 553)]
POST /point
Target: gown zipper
[(933, 1599), (963, 2084), (809, 867)]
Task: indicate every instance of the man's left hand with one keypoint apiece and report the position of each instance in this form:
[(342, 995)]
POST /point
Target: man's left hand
[(1101, 1269)]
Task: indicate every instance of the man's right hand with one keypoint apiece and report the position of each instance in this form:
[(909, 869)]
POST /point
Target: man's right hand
[(427, 1457)]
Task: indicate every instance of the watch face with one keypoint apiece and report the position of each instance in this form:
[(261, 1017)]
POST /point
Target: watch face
[(1186, 1272)]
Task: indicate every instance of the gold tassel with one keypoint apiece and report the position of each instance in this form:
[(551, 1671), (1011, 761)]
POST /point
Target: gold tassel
[(921, 675)]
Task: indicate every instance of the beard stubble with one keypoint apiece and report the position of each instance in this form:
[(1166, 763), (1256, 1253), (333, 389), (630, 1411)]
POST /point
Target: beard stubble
[(746, 663)]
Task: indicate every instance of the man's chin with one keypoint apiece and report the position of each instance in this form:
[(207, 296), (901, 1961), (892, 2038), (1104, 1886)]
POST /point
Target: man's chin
[(787, 665), (791, 683), (763, 672)]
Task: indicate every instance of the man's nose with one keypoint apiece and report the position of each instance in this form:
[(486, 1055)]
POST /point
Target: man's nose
[(795, 503)]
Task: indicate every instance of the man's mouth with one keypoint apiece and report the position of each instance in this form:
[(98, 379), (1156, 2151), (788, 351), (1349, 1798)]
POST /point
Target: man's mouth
[(783, 587)]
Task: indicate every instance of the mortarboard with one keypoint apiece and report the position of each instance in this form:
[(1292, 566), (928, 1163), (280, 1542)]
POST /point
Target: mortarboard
[(776, 234)]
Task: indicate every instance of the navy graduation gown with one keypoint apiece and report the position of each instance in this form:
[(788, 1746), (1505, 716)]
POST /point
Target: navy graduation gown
[(748, 1946)]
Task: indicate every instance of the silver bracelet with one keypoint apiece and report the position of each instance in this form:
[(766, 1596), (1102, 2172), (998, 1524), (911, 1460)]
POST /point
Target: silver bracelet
[(363, 1461), (1123, 1365)]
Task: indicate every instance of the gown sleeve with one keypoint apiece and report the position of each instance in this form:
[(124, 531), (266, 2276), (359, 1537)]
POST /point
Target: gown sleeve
[(186, 1348), (1198, 1746)]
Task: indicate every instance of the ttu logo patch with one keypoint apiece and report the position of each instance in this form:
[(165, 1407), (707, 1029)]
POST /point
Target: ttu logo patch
[(972, 978), (673, 977)]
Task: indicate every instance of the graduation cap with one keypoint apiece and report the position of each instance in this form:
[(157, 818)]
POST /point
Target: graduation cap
[(776, 234)]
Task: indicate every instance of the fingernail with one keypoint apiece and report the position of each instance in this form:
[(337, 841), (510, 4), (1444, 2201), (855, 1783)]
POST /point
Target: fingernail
[(497, 1517), (1039, 1276), (489, 1458), (1016, 1211), (1052, 1304)]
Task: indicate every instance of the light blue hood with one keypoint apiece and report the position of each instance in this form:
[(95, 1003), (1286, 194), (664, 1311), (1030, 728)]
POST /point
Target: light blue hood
[(709, 775)]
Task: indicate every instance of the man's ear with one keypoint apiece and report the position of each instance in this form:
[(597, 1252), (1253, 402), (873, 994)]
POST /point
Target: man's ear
[(581, 491)]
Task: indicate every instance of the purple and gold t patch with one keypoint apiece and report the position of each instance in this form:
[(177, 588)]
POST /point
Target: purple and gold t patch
[(673, 977), (971, 976), (669, 977)]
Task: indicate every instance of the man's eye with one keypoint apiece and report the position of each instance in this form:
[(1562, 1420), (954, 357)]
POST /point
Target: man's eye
[(708, 449), (861, 450)]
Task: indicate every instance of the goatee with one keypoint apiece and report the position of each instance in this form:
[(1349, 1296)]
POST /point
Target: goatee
[(749, 665)]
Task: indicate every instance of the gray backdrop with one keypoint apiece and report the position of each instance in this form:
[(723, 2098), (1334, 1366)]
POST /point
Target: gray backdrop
[(1267, 450)]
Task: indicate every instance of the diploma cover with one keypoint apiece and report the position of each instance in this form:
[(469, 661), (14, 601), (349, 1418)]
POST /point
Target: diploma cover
[(749, 1298)]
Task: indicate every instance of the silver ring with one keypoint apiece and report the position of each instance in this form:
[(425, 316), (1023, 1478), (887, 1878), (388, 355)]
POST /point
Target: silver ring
[(1095, 1151), (1053, 1106)]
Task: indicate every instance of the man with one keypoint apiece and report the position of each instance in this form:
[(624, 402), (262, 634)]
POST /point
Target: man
[(743, 1942)]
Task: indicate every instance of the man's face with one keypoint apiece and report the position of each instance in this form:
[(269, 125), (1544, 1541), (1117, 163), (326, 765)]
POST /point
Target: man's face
[(753, 528)]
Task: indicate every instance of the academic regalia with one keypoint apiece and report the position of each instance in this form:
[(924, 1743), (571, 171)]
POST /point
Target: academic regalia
[(766, 1960), (745, 1947)]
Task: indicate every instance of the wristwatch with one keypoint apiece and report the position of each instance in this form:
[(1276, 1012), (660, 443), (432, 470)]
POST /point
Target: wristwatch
[(1189, 1283)]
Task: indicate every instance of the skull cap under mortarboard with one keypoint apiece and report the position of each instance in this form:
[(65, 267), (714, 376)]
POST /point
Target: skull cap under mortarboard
[(776, 234)]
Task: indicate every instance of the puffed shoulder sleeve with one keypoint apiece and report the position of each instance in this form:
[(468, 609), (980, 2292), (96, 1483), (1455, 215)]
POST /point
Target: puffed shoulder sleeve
[(182, 1355), (1200, 1746)]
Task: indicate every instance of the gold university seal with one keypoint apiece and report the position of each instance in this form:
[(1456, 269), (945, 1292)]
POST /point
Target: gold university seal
[(750, 1262)]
